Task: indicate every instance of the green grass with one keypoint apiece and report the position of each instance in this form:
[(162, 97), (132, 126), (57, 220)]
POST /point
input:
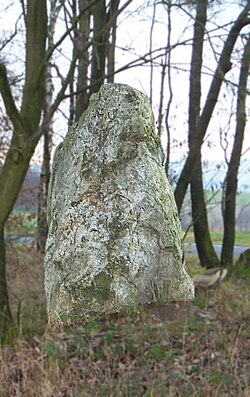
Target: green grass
[(22, 223), (195, 349), (242, 239)]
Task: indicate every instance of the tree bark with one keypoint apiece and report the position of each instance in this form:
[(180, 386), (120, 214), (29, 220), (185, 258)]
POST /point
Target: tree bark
[(34, 89), (234, 163), (82, 98), (112, 15), (25, 124), (42, 227), (100, 42), (206, 252), (224, 65), (207, 255), (103, 49)]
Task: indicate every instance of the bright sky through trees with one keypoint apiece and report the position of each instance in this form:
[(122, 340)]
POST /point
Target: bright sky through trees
[(135, 33), (134, 41)]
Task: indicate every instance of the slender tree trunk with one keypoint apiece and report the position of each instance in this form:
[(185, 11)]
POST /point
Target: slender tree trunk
[(100, 45), (112, 40), (207, 255), (170, 89), (206, 252), (234, 163), (42, 227), (224, 65), (103, 49), (82, 98), (72, 99)]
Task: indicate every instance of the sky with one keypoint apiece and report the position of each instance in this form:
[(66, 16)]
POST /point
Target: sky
[(133, 34), (182, 29)]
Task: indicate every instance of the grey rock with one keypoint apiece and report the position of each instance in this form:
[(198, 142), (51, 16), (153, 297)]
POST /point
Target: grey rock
[(244, 259), (114, 237)]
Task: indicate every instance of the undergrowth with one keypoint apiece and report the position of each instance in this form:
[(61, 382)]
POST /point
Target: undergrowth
[(199, 349)]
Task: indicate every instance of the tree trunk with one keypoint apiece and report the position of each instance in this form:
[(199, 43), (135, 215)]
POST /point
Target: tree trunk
[(206, 252), (34, 89), (82, 98), (234, 163), (24, 123), (207, 255), (112, 15), (100, 44), (224, 65), (42, 226)]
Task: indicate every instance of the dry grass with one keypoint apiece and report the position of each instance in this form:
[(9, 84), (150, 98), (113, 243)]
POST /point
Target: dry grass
[(26, 289), (198, 349)]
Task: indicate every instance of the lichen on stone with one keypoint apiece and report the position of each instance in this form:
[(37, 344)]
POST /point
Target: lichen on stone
[(114, 235)]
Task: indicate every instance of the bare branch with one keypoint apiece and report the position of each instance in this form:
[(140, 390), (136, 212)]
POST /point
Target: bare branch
[(9, 102), (59, 98)]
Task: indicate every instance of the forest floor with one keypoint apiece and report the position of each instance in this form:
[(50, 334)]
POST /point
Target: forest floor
[(199, 348)]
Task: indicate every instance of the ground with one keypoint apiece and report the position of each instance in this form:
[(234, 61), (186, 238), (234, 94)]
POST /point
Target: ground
[(199, 348)]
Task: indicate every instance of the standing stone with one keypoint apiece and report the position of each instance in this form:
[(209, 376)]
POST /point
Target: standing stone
[(114, 236)]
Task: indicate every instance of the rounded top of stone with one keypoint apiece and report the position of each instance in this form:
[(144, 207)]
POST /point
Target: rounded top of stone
[(117, 89)]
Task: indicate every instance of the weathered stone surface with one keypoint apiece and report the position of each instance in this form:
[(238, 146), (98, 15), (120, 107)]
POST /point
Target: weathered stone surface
[(242, 266), (244, 259), (114, 236)]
